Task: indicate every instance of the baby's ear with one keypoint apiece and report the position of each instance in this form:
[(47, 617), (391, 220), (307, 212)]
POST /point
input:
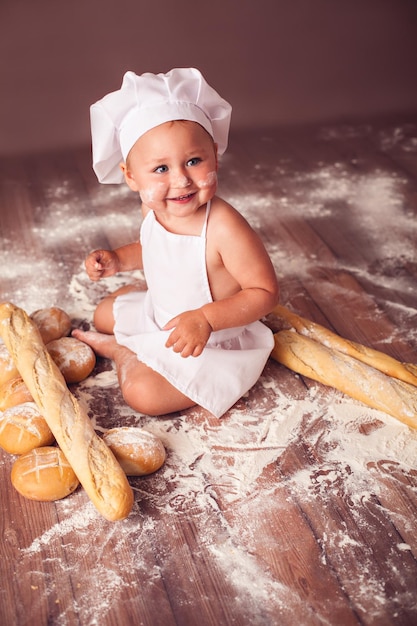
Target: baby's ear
[(130, 181)]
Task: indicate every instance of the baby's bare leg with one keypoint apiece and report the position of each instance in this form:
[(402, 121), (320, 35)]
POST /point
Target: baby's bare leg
[(143, 389), (103, 315)]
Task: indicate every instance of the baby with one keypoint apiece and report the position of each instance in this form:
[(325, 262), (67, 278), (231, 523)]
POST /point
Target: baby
[(194, 336)]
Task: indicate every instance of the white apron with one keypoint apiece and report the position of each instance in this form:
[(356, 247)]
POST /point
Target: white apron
[(176, 275)]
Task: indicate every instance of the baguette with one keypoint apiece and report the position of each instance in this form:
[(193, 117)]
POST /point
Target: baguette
[(347, 374), (92, 461), (390, 366)]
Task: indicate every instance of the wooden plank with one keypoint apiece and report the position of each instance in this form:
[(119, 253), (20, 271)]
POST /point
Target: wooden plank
[(358, 539)]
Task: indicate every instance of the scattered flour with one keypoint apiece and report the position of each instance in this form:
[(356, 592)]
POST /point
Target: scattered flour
[(225, 465), (238, 463)]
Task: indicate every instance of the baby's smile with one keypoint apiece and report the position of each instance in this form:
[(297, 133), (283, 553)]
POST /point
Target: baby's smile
[(183, 198)]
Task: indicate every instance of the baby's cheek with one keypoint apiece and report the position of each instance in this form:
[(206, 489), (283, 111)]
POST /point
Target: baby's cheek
[(209, 181), (153, 193)]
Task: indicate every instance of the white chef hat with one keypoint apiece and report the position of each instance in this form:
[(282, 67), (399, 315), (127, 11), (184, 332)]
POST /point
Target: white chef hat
[(143, 102)]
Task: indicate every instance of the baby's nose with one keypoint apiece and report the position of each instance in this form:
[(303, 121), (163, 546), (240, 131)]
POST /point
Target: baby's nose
[(181, 180)]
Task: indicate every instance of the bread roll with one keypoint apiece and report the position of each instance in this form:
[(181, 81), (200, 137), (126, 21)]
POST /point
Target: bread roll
[(138, 451), (8, 369), (75, 359), (14, 392), (44, 474), (91, 459), (52, 323), (403, 371), (22, 428), (358, 380)]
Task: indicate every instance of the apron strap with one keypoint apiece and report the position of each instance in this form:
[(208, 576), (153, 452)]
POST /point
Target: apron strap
[(204, 230)]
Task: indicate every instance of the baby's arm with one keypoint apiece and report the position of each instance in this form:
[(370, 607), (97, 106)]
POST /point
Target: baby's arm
[(242, 255), (104, 263)]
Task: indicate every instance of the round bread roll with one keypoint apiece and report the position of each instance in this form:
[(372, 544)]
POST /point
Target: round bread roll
[(23, 428), (44, 474), (52, 323), (138, 451), (75, 359), (8, 369), (14, 392)]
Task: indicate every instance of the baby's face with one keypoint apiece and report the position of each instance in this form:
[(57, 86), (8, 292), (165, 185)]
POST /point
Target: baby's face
[(174, 168)]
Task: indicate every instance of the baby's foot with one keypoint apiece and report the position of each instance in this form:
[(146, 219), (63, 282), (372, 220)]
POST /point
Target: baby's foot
[(102, 344)]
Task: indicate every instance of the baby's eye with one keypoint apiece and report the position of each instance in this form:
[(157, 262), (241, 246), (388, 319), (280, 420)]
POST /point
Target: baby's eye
[(193, 161), (161, 169)]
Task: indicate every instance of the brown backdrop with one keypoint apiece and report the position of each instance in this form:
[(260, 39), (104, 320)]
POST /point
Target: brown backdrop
[(277, 61)]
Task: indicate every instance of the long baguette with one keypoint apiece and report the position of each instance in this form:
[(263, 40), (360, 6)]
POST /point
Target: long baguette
[(406, 372), (94, 464), (355, 378)]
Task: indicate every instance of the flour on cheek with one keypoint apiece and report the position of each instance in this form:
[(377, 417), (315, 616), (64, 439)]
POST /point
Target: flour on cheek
[(153, 193), (209, 181)]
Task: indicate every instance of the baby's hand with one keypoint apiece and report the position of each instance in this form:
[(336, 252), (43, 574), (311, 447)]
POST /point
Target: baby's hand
[(191, 333), (101, 263)]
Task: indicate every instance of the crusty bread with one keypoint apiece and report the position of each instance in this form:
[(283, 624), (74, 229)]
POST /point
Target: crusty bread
[(380, 361), (138, 451), (93, 462), (44, 474), (355, 378), (8, 369), (52, 323), (75, 359), (14, 392), (23, 428)]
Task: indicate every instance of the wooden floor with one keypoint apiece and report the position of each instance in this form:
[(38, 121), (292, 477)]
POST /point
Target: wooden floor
[(299, 506)]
